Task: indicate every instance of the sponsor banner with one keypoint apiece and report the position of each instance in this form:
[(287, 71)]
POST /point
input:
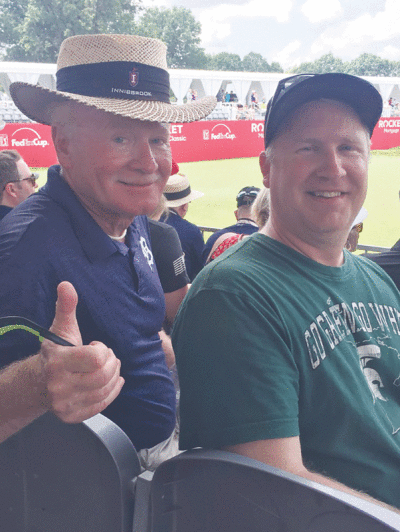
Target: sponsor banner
[(212, 140), (386, 133), (32, 141), (196, 141)]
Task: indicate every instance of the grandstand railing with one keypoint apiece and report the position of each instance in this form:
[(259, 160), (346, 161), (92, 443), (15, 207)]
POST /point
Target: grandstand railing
[(361, 247)]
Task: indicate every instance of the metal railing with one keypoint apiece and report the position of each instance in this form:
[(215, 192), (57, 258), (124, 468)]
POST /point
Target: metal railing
[(361, 247)]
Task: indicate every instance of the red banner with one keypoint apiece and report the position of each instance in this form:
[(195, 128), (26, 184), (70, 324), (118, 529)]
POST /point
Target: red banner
[(197, 141), (209, 140), (386, 133), (32, 141)]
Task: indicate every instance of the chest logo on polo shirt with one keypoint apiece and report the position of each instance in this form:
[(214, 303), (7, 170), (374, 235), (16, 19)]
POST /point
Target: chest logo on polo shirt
[(147, 253)]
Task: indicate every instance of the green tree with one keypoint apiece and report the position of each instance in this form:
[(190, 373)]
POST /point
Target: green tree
[(372, 65), (180, 31), (275, 67), (32, 30), (253, 62), (326, 63), (225, 61)]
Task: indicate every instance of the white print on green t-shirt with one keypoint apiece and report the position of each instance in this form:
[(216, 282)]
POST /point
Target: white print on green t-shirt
[(339, 321)]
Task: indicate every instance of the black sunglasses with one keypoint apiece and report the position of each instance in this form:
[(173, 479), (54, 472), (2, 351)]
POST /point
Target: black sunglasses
[(282, 88), (32, 178), (11, 323)]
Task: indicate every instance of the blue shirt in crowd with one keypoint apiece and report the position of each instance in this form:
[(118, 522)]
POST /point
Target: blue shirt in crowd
[(50, 238), (240, 228)]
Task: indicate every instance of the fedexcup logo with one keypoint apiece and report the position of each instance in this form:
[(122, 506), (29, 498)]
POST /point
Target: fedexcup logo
[(222, 132), (134, 77), (19, 138), (3, 141)]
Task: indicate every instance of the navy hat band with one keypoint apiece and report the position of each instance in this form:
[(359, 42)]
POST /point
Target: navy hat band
[(172, 196), (115, 79)]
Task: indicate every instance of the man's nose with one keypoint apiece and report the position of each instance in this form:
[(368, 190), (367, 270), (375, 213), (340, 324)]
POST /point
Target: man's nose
[(332, 164), (143, 157)]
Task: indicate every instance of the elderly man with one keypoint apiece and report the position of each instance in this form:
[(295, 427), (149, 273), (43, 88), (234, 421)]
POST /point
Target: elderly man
[(288, 345), (17, 182), (109, 119)]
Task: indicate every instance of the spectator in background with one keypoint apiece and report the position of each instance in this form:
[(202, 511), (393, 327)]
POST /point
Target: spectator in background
[(17, 182), (390, 262), (354, 235), (245, 223), (254, 99), (179, 194), (260, 213)]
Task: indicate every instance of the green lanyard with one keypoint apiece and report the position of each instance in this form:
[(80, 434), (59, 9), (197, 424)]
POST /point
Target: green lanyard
[(11, 323)]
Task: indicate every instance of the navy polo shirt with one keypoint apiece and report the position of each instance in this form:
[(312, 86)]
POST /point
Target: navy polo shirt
[(4, 209), (50, 238)]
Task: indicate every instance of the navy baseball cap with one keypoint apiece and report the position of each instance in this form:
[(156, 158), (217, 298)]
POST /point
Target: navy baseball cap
[(246, 196), (297, 90)]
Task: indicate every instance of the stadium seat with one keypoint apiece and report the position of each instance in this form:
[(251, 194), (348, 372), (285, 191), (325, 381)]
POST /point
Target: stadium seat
[(216, 491), (58, 477)]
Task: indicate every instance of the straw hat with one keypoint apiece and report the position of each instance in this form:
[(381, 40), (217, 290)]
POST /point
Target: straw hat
[(178, 191), (121, 74)]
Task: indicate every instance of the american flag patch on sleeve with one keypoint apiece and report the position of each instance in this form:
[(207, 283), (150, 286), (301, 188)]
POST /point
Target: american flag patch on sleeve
[(179, 265)]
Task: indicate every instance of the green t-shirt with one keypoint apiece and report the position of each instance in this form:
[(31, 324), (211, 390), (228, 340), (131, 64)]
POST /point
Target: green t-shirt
[(271, 344)]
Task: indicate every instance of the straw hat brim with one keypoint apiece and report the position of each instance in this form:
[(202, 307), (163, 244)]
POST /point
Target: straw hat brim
[(194, 194), (35, 102)]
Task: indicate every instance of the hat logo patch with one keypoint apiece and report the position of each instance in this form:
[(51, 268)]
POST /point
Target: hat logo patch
[(134, 77)]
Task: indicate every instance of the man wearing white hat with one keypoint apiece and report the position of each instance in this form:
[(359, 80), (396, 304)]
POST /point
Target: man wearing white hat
[(179, 195), (109, 119)]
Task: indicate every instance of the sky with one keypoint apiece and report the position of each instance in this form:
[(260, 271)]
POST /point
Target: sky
[(294, 31)]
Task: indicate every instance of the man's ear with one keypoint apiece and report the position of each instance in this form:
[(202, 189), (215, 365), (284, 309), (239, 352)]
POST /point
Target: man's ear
[(61, 144), (265, 165), (10, 190), (236, 214)]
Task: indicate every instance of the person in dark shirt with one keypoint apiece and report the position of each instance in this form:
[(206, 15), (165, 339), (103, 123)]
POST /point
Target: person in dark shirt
[(245, 224), (87, 225), (390, 262), (17, 182), (179, 194)]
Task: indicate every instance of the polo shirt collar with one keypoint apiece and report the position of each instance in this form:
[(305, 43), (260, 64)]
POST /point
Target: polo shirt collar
[(94, 241)]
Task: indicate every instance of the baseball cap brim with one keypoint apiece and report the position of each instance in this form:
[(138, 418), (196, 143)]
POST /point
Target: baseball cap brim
[(355, 92)]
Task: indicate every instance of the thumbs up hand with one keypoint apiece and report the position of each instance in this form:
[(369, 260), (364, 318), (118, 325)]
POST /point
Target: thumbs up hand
[(80, 381)]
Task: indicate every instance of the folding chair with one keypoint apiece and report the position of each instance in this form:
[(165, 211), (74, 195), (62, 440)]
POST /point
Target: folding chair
[(58, 477), (216, 491)]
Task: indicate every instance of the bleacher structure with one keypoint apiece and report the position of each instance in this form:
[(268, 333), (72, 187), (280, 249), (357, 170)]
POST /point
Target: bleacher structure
[(9, 112), (86, 477)]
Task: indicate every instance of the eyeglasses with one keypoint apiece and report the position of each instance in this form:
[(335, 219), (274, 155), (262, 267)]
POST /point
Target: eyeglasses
[(32, 179)]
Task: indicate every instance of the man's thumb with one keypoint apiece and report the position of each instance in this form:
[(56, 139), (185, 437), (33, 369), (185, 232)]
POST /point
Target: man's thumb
[(64, 323)]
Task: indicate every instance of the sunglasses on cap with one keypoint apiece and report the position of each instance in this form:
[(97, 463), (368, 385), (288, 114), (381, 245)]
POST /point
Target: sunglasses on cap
[(282, 88), (32, 179)]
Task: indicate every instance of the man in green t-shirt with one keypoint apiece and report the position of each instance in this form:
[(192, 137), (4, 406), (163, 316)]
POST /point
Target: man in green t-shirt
[(288, 346)]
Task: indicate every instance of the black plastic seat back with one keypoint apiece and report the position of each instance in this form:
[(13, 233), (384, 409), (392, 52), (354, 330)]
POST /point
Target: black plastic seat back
[(57, 477), (215, 491)]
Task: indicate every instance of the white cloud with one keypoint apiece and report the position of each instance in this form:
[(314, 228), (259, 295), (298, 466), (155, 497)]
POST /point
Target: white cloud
[(390, 52), (216, 21), (320, 10), (361, 31), (285, 56)]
